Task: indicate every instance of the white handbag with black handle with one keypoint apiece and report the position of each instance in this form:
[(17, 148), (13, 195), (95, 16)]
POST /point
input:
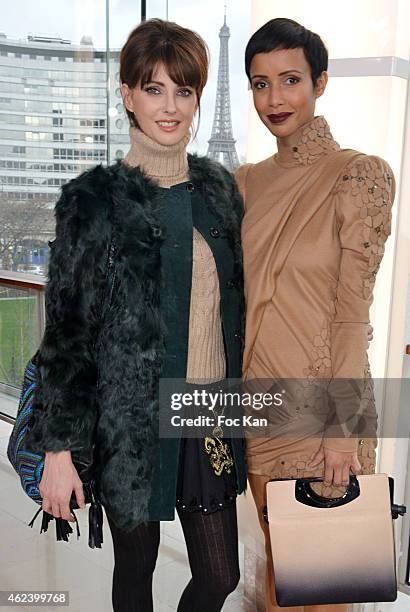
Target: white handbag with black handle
[(333, 550)]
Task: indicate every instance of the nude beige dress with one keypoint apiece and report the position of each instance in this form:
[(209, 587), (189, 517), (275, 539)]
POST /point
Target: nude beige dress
[(313, 238)]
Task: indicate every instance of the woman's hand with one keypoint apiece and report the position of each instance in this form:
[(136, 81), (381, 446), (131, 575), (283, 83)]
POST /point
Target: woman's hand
[(337, 465), (57, 483), (369, 333)]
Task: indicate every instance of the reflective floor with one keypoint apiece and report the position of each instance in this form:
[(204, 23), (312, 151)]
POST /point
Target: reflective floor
[(31, 561)]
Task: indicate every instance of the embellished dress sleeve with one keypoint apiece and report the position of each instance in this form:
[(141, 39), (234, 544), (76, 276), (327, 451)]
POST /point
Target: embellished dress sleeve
[(363, 196), (64, 410)]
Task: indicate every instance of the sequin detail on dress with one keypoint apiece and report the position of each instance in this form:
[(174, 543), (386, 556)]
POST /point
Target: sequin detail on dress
[(370, 184), (313, 387), (321, 365), (315, 140)]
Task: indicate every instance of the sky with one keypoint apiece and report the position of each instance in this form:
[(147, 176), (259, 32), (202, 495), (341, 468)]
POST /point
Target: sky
[(76, 18)]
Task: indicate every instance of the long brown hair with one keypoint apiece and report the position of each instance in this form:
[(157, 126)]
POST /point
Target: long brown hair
[(183, 53)]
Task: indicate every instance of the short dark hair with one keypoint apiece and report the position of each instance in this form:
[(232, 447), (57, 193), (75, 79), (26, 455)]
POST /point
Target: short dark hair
[(284, 33), (183, 52)]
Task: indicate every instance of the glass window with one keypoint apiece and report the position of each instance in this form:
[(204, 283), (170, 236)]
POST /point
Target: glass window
[(19, 333), (58, 116), (70, 105), (207, 19)]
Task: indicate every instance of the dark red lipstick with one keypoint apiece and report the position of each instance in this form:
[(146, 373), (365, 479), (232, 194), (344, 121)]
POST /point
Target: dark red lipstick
[(279, 118)]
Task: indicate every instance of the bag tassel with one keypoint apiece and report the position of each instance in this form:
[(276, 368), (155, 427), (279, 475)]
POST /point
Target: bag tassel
[(31, 523), (63, 528), (44, 523), (95, 521)]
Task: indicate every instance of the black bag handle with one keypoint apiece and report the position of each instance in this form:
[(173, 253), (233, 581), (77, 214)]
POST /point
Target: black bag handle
[(306, 495)]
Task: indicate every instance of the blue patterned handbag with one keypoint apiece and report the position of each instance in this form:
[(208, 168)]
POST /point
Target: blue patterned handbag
[(29, 465)]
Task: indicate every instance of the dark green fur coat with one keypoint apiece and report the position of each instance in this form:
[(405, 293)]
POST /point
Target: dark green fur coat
[(119, 415)]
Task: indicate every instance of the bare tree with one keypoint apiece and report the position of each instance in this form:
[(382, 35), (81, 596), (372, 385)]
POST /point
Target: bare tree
[(21, 222)]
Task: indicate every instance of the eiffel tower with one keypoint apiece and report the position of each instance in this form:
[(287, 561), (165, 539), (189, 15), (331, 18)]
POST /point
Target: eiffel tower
[(222, 143)]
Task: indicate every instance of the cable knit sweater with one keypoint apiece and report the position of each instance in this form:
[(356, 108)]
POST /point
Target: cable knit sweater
[(168, 165)]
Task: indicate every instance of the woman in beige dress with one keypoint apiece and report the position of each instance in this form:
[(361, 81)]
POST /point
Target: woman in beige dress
[(317, 217)]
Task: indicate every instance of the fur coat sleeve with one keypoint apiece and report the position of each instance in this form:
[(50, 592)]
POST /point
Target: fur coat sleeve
[(65, 359)]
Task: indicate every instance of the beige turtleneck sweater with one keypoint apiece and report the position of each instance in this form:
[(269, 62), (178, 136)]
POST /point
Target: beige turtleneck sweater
[(168, 166)]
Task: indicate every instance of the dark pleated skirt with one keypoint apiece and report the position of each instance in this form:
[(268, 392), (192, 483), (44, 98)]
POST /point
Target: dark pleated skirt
[(199, 489)]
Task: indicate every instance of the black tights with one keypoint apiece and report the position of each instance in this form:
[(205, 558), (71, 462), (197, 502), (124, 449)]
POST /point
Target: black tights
[(212, 544)]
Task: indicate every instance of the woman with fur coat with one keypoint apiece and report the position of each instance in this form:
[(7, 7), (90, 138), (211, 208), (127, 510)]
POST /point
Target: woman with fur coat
[(176, 313)]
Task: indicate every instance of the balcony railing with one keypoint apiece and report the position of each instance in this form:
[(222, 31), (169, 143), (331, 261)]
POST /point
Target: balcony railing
[(22, 321)]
